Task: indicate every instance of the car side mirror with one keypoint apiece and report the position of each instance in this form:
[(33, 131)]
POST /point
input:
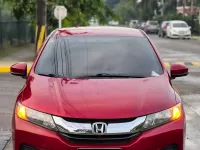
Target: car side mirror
[(19, 69), (178, 70), (190, 27)]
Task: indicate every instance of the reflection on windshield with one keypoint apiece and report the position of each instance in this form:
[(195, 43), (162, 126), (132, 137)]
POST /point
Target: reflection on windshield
[(79, 56)]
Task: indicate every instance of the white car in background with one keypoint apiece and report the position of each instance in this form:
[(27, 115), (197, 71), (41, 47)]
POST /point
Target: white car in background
[(133, 23), (178, 29)]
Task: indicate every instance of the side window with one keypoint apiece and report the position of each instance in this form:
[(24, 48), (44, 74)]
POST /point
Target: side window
[(46, 63)]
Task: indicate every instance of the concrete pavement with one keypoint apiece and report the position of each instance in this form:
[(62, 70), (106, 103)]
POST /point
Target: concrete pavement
[(172, 51)]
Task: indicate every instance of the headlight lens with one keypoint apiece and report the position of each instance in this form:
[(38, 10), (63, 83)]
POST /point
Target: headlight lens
[(36, 117), (162, 117)]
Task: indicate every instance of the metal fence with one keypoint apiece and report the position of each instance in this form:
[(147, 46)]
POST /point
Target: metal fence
[(16, 32)]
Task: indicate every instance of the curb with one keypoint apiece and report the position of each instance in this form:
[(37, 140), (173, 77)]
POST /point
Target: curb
[(5, 68), (188, 64), (9, 145)]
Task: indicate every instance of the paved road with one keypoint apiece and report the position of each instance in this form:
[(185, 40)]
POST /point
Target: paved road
[(170, 50)]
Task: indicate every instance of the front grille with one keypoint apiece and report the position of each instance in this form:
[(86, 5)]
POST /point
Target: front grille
[(99, 131), (121, 120), (181, 32), (99, 139)]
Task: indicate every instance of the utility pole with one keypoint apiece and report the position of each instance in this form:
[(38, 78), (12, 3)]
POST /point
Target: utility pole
[(199, 16), (41, 12), (184, 4), (162, 9)]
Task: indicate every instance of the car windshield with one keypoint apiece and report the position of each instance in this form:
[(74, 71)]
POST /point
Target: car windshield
[(180, 25), (101, 56), (153, 23)]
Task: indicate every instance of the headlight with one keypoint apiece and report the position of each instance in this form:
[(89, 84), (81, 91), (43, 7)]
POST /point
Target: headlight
[(35, 117), (162, 117)]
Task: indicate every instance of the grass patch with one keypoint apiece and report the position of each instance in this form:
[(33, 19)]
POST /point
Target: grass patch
[(196, 37), (6, 51)]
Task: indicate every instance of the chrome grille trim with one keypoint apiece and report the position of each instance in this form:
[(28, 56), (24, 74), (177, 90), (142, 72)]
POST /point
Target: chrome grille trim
[(130, 127)]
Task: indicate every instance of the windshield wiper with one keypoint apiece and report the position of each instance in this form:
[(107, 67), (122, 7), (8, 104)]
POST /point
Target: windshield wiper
[(103, 75), (47, 75)]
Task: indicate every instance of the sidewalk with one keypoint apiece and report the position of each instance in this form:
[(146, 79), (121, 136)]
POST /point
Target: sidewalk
[(26, 54), (19, 53)]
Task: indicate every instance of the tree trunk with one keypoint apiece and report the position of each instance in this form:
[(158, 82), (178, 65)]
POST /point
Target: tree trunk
[(41, 13)]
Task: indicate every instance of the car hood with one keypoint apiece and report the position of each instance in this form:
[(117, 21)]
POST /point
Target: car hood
[(98, 98)]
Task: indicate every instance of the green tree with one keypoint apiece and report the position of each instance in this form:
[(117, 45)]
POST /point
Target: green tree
[(170, 7), (79, 11), (126, 11), (146, 9)]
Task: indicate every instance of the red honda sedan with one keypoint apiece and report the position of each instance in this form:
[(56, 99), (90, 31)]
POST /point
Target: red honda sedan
[(98, 88)]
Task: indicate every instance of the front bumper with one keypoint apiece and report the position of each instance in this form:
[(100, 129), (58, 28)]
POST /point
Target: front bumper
[(185, 36), (44, 139)]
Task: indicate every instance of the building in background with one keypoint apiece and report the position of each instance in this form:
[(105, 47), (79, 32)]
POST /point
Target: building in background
[(187, 7)]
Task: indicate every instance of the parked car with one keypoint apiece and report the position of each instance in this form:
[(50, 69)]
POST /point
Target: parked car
[(152, 27), (97, 88), (133, 23), (163, 28), (141, 25), (178, 29)]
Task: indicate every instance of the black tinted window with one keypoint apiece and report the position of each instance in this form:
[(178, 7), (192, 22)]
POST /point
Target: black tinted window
[(180, 25), (91, 55), (153, 23)]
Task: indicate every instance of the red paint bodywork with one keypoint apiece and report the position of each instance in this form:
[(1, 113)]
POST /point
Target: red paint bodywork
[(19, 69), (98, 99), (178, 70)]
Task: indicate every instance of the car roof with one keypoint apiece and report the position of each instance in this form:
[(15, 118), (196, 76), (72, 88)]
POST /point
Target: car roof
[(99, 30)]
